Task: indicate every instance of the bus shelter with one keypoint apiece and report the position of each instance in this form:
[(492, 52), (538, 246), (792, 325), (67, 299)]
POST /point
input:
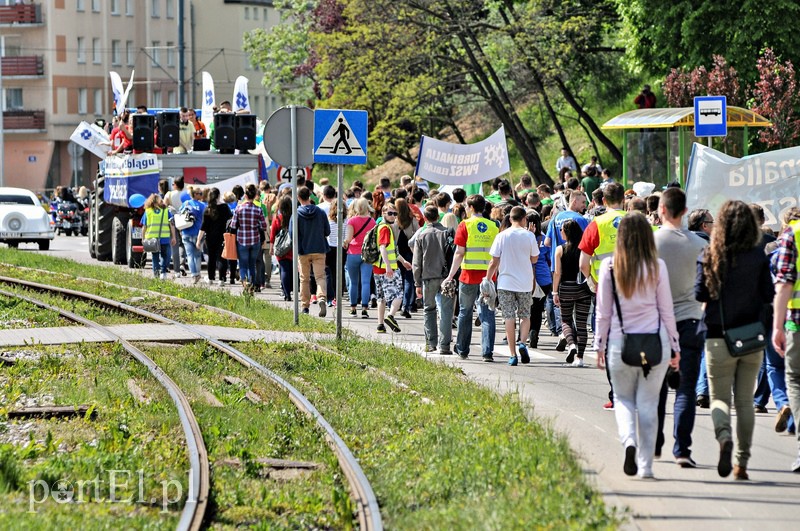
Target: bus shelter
[(657, 143)]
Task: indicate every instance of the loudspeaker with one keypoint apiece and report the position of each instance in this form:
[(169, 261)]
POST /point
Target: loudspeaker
[(224, 132), (245, 132), (143, 125), (169, 129)]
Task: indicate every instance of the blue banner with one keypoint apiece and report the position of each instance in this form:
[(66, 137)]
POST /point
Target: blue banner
[(129, 175)]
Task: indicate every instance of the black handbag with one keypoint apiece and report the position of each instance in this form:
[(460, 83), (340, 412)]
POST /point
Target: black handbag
[(743, 340), (638, 350)]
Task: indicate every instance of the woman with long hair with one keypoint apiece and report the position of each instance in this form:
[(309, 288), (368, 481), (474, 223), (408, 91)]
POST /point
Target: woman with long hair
[(378, 201), (359, 223), (248, 220), (156, 225), (215, 221), (639, 280), (573, 297), (407, 226), (281, 221), (733, 279)]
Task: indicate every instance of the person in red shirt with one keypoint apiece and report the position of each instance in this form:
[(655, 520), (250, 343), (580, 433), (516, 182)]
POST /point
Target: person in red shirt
[(477, 243), (388, 281), (122, 135)]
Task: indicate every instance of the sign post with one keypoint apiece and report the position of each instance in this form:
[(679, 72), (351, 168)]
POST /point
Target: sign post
[(340, 137), (294, 151), (710, 117)]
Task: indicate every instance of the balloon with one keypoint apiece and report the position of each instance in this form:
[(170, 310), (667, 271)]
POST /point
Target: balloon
[(136, 201), (185, 197)]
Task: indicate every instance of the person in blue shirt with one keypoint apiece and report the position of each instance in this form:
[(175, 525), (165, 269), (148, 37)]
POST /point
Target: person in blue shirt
[(543, 278), (197, 208), (576, 209)]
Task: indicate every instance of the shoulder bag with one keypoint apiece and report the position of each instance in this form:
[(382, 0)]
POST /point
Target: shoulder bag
[(743, 340), (283, 243), (184, 220), (153, 245), (638, 350)]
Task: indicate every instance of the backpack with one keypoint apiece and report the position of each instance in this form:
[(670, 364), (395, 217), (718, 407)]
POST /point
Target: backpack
[(283, 243), (370, 251)]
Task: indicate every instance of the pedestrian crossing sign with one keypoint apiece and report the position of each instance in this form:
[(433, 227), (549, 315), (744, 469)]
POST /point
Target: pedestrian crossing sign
[(340, 136)]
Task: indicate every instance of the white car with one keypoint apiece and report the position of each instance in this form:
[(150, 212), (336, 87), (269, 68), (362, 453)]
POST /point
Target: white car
[(22, 219)]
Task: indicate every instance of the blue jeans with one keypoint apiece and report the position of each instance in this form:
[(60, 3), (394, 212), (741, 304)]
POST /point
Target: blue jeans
[(553, 314), (409, 292), (248, 254), (702, 379), (161, 260), (360, 273), (467, 295), (761, 395), (287, 278), (192, 254), (432, 298), (685, 397), (776, 374)]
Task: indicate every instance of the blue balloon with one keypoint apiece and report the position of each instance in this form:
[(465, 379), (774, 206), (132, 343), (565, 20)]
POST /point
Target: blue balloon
[(136, 201), (185, 197)]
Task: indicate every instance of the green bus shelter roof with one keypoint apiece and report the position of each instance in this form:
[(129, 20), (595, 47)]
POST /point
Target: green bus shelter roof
[(680, 117)]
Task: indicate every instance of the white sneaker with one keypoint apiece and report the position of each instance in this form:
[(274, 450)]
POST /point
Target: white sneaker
[(578, 362), (221, 282), (208, 281), (163, 276)]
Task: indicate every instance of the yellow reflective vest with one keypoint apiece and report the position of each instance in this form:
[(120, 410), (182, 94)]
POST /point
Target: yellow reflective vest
[(794, 302), (607, 234), (391, 249), (481, 233), (157, 223)]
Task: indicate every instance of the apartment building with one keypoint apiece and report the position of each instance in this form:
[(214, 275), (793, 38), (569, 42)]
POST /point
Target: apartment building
[(56, 56)]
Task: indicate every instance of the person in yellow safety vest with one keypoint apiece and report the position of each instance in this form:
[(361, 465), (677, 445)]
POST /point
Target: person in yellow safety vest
[(598, 242), (786, 319), (473, 239), (156, 223), (388, 281)]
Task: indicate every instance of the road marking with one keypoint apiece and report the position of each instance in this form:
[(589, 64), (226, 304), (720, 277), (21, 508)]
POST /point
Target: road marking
[(599, 428), (580, 418)]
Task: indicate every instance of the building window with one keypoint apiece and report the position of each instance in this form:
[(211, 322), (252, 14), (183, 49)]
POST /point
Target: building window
[(81, 49), (172, 99), (247, 13), (81, 5), (129, 8), (116, 52), (255, 13), (95, 7), (82, 97), (13, 99), (256, 105), (170, 53), (155, 53), (96, 51), (156, 98), (170, 8), (265, 16), (155, 9), (98, 102), (130, 52), (115, 7)]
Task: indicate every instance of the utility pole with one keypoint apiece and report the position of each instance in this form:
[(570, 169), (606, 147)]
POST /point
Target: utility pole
[(2, 131), (181, 52)]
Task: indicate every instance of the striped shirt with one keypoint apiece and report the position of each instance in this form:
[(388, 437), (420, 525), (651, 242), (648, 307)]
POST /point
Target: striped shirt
[(785, 267)]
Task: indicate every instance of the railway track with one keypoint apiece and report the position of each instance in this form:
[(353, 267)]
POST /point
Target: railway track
[(368, 510)]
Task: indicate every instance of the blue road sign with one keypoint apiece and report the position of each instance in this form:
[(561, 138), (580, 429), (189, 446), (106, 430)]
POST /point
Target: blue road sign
[(710, 116), (340, 136)]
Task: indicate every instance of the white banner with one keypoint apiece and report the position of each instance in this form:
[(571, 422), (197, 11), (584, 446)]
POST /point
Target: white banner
[(120, 96), (241, 101), (770, 179), (92, 138), (460, 164), (207, 114), (227, 185)]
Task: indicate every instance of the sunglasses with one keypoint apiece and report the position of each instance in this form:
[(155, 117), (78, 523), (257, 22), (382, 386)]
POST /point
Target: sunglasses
[(391, 213)]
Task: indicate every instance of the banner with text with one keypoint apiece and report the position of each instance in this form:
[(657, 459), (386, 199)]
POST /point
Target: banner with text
[(770, 179), (128, 175), (460, 164)]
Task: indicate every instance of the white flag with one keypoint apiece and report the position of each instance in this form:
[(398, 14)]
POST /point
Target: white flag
[(93, 138), (127, 91), (119, 93), (207, 115), (240, 98)]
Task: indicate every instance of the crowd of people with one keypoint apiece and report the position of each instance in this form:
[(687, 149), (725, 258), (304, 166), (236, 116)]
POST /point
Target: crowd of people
[(661, 300)]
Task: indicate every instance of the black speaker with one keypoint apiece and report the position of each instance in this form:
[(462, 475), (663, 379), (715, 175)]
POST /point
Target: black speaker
[(245, 131), (143, 125), (224, 132), (169, 129)]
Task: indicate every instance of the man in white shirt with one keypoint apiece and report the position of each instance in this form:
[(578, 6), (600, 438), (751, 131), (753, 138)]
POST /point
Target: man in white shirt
[(566, 160), (514, 251)]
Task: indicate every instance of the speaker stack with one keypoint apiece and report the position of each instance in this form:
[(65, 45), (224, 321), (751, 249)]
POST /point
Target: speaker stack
[(143, 126)]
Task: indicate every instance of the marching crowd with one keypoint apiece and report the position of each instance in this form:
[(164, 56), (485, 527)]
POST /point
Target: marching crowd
[(712, 310)]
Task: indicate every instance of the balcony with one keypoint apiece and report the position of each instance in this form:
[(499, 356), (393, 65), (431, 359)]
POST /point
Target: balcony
[(23, 66), (23, 121), (20, 14)]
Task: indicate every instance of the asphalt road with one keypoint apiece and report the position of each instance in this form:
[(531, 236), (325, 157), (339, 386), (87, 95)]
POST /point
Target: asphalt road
[(570, 400)]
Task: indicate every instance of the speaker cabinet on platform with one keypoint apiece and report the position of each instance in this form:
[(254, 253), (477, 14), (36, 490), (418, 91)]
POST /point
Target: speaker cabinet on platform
[(245, 132), (224, 133), (169, 129), (143, 125)]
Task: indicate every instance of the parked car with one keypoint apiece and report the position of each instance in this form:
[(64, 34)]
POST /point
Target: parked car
[(23, 219)]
